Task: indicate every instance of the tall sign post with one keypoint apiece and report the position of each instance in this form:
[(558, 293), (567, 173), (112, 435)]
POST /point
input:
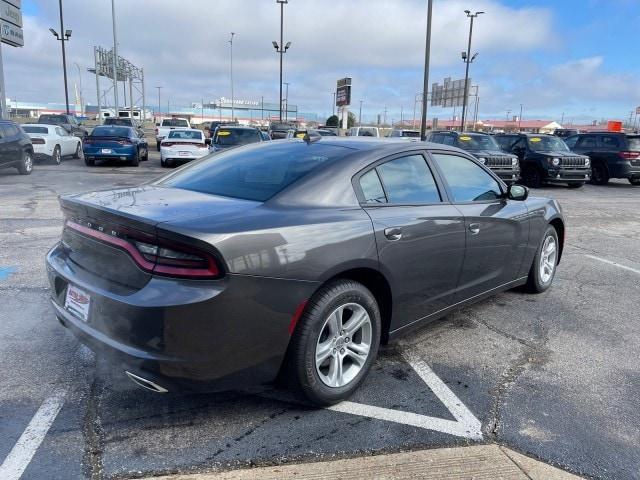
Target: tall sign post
[(343, 100), (10, 34)]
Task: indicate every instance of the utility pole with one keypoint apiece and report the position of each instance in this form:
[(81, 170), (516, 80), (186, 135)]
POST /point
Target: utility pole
[(425, 86), (467, 60), (360, 115), (384, 122), (232, 101), (63, 37), (81, 97), (333, 105), (115, 58), (159, 107), (520, 119), (281, 48), (286, 102)]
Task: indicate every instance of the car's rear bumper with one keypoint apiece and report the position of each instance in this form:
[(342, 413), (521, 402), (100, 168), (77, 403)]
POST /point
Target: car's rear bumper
[(42, 151), (628, 169), (97, 153), (174, 154), (577, 175), (199, 335)]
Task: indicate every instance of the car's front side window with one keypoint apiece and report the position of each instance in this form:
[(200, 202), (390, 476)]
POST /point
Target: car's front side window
[(467, 180), (408, 180)]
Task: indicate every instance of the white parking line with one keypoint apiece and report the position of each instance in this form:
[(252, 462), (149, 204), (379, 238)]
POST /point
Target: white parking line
[(25, 448), (466, 424), (615, 264)]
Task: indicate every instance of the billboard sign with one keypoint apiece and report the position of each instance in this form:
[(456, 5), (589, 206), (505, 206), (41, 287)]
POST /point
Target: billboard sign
[(11, 35), (11, 23), (343, 92), (449, 94), (10, 13)]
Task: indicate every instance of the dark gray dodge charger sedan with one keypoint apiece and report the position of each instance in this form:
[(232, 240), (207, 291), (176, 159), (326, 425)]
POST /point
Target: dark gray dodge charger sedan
[(292, 259)]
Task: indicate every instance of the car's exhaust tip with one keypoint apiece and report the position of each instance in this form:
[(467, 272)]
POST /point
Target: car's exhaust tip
[(144, 383)]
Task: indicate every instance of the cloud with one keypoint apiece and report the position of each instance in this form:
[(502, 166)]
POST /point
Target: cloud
[(183, 46)]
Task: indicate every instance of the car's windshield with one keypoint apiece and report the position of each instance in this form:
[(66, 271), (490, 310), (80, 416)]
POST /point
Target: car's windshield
[(477, 142), (30, 129), (547, 144), (110, 132), (367, 132), (175, 122), (253, 173), (410, 133), (236, 136), (186, 134)]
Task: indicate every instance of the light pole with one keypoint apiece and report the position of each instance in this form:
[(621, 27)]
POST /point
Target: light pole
[(467, 58), (286, 101), (333, 105), (232, 106), (281, 48), (159, 107), (360, 115), (425, 86), (520, 119), (115, 59), (81, 98), (63, 37)]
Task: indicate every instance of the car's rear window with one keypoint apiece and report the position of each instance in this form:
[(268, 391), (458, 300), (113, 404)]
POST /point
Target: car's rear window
[(118, 121), (52, 119), (30, 129), (174, 122), (185, 134), (410, 133), (255, 172), (110, 132), (634, 143)]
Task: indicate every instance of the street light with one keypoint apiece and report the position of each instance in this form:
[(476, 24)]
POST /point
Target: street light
[(425, 85), (286, 101), (63, 38), (232, 106), (281, 48), (520, 119), (159, 107), (467, 59), (81, 97), (360, 114)]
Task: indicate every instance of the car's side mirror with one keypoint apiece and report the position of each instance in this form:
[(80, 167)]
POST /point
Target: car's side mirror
[(517, 192), (207, 141)]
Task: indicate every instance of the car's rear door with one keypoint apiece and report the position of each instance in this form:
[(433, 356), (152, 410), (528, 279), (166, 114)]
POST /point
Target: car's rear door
[(497, 229), (4, 157), (419, 234), (12, 146)]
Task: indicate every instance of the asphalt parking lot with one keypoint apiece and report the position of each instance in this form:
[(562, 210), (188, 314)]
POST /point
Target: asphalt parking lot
[(555, 376)]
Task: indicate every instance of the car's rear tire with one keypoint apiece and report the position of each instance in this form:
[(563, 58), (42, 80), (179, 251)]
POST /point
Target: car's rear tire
[(335, 342), (145, 157), (634, 181), (56, 156), (543, 268), (158, 146), (135, 161), (531, 176), (78, 153), (25, 167), (599, 174), (575, 184)]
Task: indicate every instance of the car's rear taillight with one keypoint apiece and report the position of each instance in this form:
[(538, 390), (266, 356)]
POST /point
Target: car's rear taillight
[(161, 257), (125, 142), (156, 131), (87, 141), (629, 155), (38, 141), (167, 144)]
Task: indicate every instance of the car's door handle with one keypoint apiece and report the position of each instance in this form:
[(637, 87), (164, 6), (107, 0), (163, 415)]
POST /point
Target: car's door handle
[(474, 228), (393, 233)]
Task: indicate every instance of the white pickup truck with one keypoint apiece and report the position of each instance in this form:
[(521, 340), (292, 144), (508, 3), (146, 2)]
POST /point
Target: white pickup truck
[(166, 125)]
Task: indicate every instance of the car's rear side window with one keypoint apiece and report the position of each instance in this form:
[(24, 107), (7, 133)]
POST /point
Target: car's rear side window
[(408, 180), (610, 141), (372, 188), (633, 143), (255, 172)]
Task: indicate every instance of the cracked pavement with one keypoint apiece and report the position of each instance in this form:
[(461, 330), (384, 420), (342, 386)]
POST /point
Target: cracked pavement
[(554, 376)]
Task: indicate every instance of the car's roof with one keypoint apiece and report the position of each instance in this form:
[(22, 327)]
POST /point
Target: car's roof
[(237, 127), (40, 125)]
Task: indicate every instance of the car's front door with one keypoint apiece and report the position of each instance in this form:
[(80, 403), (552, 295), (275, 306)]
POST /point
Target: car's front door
[(12, 148), (420, 236), (497, 229)]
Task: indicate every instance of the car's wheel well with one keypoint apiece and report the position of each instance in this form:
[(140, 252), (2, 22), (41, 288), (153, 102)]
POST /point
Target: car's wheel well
[(379, 287), (559, 226)]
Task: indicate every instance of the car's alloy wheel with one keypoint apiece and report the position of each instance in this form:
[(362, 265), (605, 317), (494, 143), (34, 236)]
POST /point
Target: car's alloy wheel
[(56, 157), (343, 345), (26, 166), (78, 153), (335, 342), (543, 268)]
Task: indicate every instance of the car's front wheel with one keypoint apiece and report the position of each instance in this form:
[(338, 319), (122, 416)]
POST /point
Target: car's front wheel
[(599, 174), (543, 268), (335, 342), (56, 156)]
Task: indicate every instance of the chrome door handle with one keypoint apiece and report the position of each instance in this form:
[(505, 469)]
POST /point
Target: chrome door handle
[(474, 228), (393, 233)]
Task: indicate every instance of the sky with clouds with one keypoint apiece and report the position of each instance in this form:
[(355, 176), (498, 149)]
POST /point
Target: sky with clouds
[(577, 57)]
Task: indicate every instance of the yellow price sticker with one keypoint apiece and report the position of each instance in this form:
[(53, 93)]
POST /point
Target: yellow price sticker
[(535, 139), (300, 135), (224, 133), (465, 139)]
